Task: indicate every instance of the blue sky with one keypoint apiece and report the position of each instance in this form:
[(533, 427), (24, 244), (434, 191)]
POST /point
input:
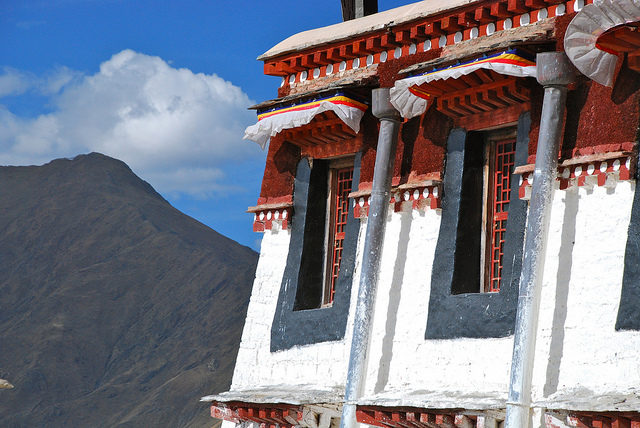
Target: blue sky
[(161, 85)]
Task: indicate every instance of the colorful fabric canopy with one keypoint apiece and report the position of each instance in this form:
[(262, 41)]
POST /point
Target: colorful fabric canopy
[(270, 122), (411, 100), (581, 37)]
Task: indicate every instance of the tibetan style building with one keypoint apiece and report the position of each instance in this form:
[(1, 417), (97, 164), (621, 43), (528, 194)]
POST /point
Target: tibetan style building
[(451, 221)]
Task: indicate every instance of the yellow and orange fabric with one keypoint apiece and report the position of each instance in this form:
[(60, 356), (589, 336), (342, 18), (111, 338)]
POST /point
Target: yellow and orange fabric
[(272, 121), (411, 100)]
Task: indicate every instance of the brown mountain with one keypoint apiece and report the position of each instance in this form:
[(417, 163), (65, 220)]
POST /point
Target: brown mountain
[(116, 309)]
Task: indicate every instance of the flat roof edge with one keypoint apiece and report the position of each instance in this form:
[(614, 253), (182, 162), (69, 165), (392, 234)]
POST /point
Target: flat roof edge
[(362, 26)]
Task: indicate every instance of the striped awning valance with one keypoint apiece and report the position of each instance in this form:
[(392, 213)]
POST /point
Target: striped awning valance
[(274, 120), (411, 100)]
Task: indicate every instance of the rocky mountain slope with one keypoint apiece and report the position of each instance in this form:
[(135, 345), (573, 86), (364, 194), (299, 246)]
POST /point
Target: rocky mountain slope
[(115, 308)]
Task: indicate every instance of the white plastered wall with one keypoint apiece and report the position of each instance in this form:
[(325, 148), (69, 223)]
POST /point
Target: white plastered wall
[(405, 369), (321, 366), (579, 354)]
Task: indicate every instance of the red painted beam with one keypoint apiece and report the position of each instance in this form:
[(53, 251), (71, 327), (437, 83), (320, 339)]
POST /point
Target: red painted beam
[(403, 37), (535, 4), (483, 15), (467, 19), (499, 10), (516, 6), (450, 23), (433, 29)]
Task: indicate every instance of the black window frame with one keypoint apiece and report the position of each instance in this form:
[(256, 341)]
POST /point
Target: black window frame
[(628, 317), (474, 314), (300, 319)]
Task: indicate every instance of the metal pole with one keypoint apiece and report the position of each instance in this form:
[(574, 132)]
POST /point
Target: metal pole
[(376, 224), (555, 72), (359, 12), (352, 9)]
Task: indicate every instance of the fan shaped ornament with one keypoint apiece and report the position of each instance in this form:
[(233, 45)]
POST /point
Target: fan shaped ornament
[(581, 37)]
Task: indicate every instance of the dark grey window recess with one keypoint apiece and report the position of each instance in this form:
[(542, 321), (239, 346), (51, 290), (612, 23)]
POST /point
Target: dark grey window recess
[(489, 161), (476, 269), (330, 183), (310, 273), (314, 297)]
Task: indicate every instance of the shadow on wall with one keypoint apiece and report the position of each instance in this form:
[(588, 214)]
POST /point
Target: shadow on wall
[(394, 302), (563, 278), (626, 84)]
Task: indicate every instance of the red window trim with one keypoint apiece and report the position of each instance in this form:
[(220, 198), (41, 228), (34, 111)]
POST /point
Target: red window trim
[(340, 184), (501, 162)]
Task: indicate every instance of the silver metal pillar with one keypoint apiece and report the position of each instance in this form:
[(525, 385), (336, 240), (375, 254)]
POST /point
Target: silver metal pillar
[(376, 224), (555, 72), (359, 12)]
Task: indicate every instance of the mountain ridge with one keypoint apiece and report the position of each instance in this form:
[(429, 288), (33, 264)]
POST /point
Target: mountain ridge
[(114, 305)]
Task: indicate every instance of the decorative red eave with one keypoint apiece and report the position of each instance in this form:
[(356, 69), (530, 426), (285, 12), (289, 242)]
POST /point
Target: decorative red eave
[(265, 215), (271, 415), (603, 169), (413, 418), (422, 195), (441, 29), (603, 419), (600, 150)]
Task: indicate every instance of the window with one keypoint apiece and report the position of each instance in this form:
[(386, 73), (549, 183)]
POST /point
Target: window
[(500, 163), (326, 219), (340, 180), (478, 257), (485, 194), (314, 298)]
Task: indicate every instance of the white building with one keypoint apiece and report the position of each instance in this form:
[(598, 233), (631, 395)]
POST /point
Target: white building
[(446, 334)]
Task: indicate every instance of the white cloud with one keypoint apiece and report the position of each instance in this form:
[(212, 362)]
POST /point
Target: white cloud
[(177, 129), (16, 82), (200, 182), (13, 82), (54, 82)]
